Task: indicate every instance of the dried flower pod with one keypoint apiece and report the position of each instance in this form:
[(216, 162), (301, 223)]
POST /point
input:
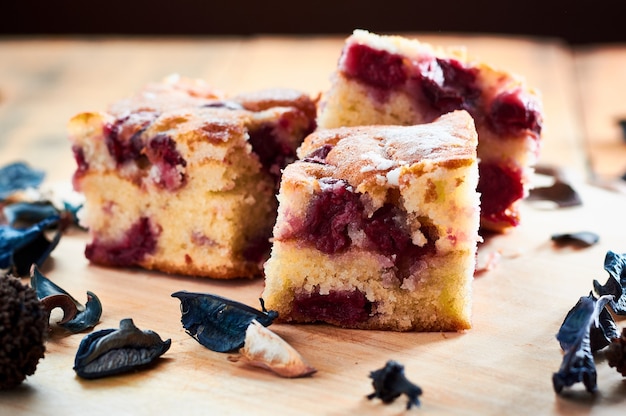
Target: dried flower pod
[(23, 327), (218, 323), (390, 382), (115, 351), (616, 353), (263, 348), (76, 317)]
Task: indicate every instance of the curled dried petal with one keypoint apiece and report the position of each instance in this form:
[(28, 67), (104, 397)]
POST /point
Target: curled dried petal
[(82, 316)]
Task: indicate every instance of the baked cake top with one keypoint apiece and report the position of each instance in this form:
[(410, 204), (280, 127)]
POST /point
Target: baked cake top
[(179, 122), (372, 158)]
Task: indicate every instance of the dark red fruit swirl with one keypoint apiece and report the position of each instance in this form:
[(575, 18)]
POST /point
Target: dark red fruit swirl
[(385, 231), (162, 152), (139, 241), (374, 67), (449, 85), (513, 112), (330, 214), (346, 308), (318, 155), (499, 186), (121, 147)]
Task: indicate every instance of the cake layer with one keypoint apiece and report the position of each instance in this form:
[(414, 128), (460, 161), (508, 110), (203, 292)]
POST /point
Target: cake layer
[(396, 80), (377, 228), (183, 180)]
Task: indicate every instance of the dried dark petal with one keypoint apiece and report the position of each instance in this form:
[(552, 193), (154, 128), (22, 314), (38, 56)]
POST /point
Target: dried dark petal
[(561, 193), (574, 337), (615, 265), (390, 382), (21, 248), (83, 317), (18, 176), (114, 351), (581, 238), (218, 323)]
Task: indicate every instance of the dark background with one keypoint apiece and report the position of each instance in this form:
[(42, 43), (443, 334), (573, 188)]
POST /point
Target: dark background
[(575, 21)]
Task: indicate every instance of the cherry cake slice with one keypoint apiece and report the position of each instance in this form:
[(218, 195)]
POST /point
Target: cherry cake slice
[(181, 179), (377, 228), (396, 80)]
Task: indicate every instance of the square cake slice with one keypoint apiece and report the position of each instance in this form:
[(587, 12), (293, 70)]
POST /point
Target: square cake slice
[(181, 179), (377, 228), (397, 80)]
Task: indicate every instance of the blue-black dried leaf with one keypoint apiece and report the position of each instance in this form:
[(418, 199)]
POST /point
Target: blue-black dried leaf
[(574, 337), (390, 382), (218, 323), (18, 176), (20, 248), (115, 351), (615, 265), (82, 317), (28, 212), (580, 238), (560, 192)]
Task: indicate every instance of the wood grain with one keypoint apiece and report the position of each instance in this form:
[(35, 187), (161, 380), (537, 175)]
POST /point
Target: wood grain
[(503, 365), (601, 75)]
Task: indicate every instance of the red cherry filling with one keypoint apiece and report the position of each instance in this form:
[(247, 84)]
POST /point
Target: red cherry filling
[(499, 187), (445, 84), (329, 215), (318, 155), (344, 308), (130, 250), (274, 144), (81, 166), (161, 151), (448, 85), (386, 230), (512, 112), (123, 137), (337, 209), (377, 68)]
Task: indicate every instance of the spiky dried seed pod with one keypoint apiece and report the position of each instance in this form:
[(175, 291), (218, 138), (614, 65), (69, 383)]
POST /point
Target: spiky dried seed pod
[(616, 353), (23, 328)]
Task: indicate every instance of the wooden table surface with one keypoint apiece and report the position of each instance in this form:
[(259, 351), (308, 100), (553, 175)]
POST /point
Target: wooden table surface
[(503, 365)]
